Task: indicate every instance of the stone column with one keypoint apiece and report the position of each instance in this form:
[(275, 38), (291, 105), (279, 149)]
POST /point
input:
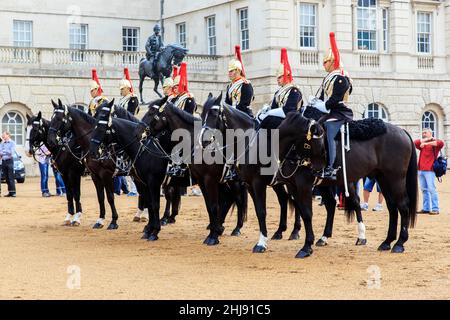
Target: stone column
[(400, 45)]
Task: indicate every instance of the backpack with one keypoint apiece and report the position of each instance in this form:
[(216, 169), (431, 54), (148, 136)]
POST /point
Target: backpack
[(439, 165)]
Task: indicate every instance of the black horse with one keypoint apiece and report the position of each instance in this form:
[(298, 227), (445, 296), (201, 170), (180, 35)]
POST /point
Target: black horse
[(389, 157), (218, 197), (148, 162), (68, 119), (171, 55), (221, 118), (71, 170)]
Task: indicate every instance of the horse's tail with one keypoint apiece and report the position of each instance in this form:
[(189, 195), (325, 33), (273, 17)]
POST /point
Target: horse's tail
[(412, 184), (244, 204), (350, 205)]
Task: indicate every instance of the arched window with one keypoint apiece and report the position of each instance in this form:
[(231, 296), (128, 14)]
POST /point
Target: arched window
[(374, 110), (429, 120), (12, 121)]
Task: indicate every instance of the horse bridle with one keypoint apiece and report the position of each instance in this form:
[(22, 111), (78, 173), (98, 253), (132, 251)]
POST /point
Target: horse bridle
[(67, 121)]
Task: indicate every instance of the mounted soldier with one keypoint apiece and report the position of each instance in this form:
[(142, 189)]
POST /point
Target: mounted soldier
[(183, 99), (96, 93), (287, 98), (154, 45), (240, 90), (335, 90), (168, 86), (128, 100)]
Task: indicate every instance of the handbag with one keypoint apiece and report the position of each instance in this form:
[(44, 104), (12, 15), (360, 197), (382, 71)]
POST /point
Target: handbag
[(439, 165)]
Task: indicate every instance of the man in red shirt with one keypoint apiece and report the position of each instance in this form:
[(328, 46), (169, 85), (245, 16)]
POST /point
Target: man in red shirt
[(429, 150)]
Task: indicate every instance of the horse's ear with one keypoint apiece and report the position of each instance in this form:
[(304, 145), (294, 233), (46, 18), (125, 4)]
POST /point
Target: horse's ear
[(210, 95), (54, 104), (111, 103), (39, 116), (28, 118), (59, 102), (219, 99)]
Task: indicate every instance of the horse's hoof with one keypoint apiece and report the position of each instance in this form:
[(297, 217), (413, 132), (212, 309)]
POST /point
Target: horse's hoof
[(164, 221), (294, 236), (398, 249), (361, 242), (153, 237), (221, 230), (136, 219), (277, 236), (171, 220), (143, 219), (145, 236), (212, 242), (97, 226), (75, 224), (206, 240), (304, 253), (67, 223), (321, 243), (113, 226), (384, 247), (236, 233), (259, 249)]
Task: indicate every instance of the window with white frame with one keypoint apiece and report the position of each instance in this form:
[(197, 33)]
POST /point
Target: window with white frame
[(308, 24), (78, 34), (423, 32), (429, 120), (22, 33), (130, 39), (14, 124), (244, 35), (385, 23), (367, 25), (181, 34), (374, 110), (211, 32)]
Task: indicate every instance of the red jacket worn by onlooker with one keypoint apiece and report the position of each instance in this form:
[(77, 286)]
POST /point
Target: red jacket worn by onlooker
[(428, 155)]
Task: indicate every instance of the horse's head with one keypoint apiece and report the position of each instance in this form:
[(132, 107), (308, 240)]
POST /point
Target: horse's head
[(36, 133), (153, 109), (307, 135), (213, 120), (158, 119), (177, 54), (59, 124), (102, 134)]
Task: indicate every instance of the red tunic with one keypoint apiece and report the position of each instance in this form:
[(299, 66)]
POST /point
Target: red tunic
[(427, 157)]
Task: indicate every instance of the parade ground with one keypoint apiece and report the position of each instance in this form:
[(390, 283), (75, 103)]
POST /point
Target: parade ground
[(41, 259)]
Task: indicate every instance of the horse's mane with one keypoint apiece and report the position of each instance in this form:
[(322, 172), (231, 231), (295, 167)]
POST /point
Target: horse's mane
[(186, 117), (82, 115), (238, 113), (295, 120), (125, 114), (312, 113)]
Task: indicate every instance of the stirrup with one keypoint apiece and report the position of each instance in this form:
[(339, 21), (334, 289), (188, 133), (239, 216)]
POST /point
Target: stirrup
[(230, 173)]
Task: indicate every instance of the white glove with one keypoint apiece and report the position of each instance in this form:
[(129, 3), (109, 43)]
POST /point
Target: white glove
[(312, 100), (320, 105), (264, 109)]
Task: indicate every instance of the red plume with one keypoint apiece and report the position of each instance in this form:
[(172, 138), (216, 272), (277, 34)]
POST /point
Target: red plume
[(127, 76), (175, 72), (183, 86), (287, 76), (237, 50), (95, 78), (335, 50)]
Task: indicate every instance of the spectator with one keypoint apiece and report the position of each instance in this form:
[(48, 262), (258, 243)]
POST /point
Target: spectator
[(43, 158), (133, 191), (60, 187), (429, 150), (7, 152), (120, 184), (368, 187)]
